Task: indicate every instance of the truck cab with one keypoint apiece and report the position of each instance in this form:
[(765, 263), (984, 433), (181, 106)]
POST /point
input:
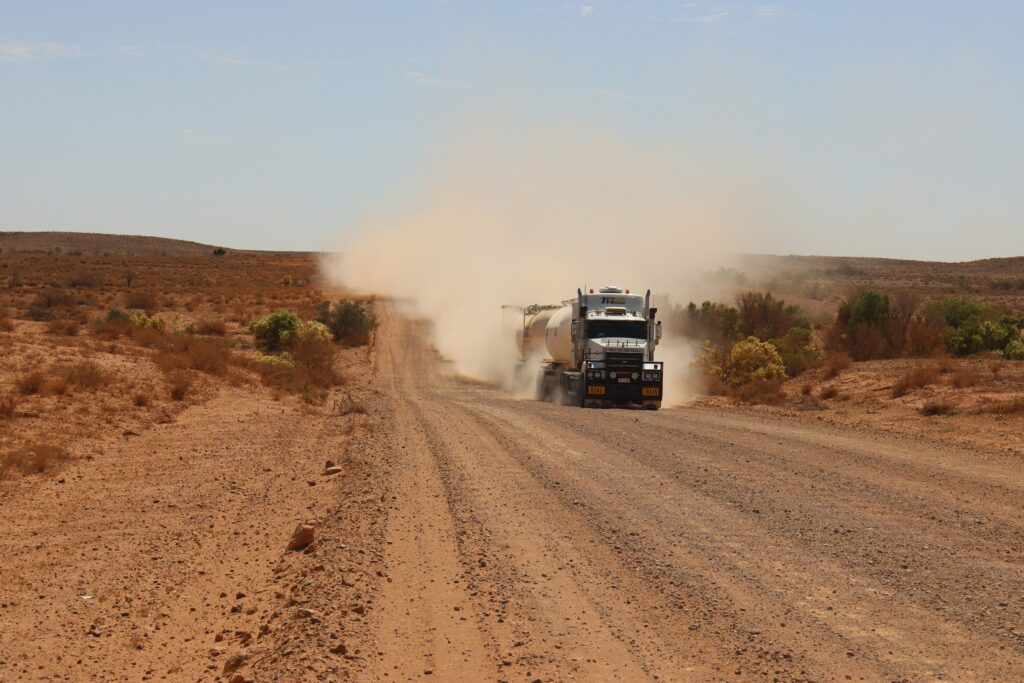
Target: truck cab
[(615, 334), (600, 349)]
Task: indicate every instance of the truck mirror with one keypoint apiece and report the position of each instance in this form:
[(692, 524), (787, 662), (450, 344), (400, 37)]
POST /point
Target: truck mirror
[(657, 332)]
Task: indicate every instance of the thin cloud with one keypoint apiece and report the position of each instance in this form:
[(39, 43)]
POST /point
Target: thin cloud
[(586, 9), (20, 53), (769, 12), (234, 60), (125, 51), (711, 17), (421, 78)]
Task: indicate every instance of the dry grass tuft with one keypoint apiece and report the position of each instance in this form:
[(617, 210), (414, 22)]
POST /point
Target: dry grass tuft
[(1013, 406), (936, 406), (8, 406), (836, 363), (141, 399), (828, 393), (189, 352), (55, 386), (917, 378), (143, 301), (6, 324), (86, 374), (35, 459), (210, 327), (347, 405), (30, 383), (180, 382), (760, 392), (68, 327), (964, 378)]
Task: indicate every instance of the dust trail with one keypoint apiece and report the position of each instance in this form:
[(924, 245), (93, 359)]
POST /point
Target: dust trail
[(530, 222)]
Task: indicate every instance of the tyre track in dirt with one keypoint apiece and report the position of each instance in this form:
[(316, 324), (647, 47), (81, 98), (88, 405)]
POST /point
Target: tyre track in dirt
[(688, 544)]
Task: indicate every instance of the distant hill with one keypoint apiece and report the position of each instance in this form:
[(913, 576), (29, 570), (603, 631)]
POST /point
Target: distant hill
[(98, 243)]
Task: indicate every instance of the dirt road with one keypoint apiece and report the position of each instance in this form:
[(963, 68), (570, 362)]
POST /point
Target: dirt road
[(533, 541), (475, 536)]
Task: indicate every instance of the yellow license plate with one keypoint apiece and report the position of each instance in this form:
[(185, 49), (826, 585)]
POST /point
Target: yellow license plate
[(596, 390), (651, 391)]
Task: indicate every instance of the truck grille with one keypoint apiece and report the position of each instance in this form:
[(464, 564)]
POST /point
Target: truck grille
[(623, 361)]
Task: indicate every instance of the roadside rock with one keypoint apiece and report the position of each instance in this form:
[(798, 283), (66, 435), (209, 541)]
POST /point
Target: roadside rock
[(301, 537), (333, 469), (235, 662)]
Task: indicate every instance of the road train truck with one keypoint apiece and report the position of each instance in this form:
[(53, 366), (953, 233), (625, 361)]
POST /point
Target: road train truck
[(597, 350)]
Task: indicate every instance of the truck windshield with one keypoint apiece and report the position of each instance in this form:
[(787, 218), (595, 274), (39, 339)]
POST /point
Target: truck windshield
[(604, 329)]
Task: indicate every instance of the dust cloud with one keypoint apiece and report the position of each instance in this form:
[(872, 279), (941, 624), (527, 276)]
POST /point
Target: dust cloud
[(530, 222)]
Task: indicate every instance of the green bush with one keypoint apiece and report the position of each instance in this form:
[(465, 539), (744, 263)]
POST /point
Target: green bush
[(870, 308), (283, 360), (349, 322), (864, 328), (135, 317), (976, 327), (713, 321), (798, 351), (140, 318), (1014, 350), (756, 314), (765, 317), (747, 361), (272, 332), (753, 359)]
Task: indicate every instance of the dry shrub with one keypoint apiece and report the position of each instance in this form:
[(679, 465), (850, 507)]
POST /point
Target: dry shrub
[(142, 301), (828, 393), (917, 378), (43, 306), (836, 363), (108, 330), (34, 459), (67, 327), (317, 359), (55, 386), (6, 324), (936, 406), (141, 399), (713, 385), (997, 370), (347, 405), (964, 378), (760, 392), (86, 374), (1011, 406), (212, 327), (179, 383), (30, 383), (807, 389), (83, 279), (148, 337), (187, 352), (926, 334), (8, 406)]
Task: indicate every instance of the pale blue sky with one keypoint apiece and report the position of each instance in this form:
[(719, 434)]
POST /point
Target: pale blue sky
[(871, 128)]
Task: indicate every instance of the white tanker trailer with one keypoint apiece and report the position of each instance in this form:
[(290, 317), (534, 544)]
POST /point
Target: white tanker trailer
[(596, 350)]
